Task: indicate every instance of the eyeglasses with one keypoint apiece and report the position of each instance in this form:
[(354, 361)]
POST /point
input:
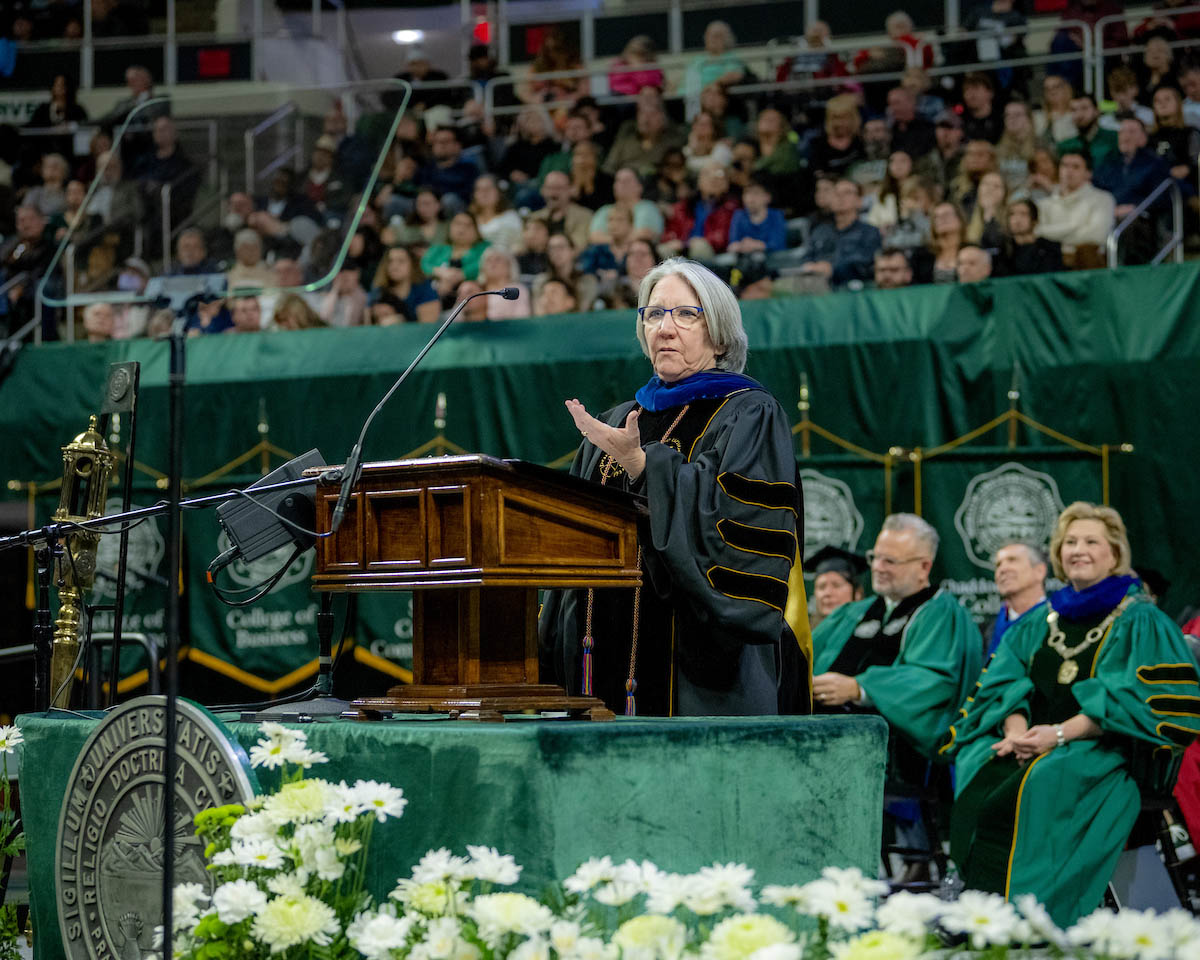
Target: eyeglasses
[(684, 317), (889, 562)]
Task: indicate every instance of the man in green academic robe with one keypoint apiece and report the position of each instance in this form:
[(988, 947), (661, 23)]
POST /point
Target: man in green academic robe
[(910, 653)]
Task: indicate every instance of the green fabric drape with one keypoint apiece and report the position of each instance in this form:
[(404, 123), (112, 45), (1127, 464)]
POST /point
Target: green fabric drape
[(787, 796)]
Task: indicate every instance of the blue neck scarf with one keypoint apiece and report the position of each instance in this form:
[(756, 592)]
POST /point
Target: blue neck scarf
[(1101, 597), (657, 395)]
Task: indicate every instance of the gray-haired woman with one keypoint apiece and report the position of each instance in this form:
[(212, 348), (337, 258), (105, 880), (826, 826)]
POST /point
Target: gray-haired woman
[(711, 450)]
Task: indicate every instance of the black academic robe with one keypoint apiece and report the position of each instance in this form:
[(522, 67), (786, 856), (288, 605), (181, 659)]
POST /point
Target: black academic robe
[(717, 550)]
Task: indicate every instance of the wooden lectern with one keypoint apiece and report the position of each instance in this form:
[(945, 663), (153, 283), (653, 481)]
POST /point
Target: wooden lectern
[(474, 538)]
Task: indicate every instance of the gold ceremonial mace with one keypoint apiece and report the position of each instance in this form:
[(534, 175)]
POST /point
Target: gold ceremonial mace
[(87, 464)]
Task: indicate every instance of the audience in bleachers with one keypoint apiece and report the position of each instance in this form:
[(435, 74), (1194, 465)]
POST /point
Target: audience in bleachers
[(812, 187)]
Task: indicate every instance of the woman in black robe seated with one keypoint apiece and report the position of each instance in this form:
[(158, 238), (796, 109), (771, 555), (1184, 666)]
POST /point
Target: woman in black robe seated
[(711, 450)]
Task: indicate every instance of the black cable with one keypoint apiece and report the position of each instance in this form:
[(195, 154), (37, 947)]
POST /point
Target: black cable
[(281, 518), (270, 584)]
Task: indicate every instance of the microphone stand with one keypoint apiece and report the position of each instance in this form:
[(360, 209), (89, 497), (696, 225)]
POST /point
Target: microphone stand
[(349, 473)]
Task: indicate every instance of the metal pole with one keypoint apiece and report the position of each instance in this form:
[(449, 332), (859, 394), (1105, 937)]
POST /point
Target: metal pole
[(248, 139), (812, 12), (502, 51), (256, 40), (951, 16), (675, 26), (166, 227), (316, 18), (171, 59), (37, 315), (466, 22), (69, 276), (87, 66), (587, 41), (214, 166)]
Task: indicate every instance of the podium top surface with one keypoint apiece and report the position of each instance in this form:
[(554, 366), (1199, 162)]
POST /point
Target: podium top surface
[(482, 464)]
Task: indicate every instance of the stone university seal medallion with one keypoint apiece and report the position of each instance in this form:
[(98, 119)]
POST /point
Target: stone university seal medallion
[(109, 854)]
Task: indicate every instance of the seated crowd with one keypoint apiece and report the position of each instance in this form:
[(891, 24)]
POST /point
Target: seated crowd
[(801, 190)]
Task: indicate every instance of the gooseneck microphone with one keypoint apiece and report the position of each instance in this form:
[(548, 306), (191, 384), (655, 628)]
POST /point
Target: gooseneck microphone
[(350, 472)]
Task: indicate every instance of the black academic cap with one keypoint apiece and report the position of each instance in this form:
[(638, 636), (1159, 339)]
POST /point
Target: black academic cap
[(1154, 580), (849, 565)]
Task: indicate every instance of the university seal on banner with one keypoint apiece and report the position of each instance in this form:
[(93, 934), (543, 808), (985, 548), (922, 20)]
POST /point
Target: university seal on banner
[(830, 516), (1009, 503), (109, 852)]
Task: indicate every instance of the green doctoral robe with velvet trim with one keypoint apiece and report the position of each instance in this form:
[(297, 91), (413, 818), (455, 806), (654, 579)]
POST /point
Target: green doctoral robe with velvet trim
[(920, 692), (1077, 803), (717, 550)]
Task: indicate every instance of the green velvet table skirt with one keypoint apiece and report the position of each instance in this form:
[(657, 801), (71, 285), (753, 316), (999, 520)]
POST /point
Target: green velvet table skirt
[(787, 796)]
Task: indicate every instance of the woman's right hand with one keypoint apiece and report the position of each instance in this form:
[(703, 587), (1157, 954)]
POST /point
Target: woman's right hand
[(1015, 727)]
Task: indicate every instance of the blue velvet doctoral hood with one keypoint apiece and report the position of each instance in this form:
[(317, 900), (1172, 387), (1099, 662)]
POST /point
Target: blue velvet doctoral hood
[(659, 395)]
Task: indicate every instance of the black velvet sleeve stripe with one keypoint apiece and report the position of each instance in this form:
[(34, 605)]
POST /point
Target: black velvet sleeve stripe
[(760, 540), (749, 586), (1176, 734), (1168, 673), (777, 495), (1175, 706)]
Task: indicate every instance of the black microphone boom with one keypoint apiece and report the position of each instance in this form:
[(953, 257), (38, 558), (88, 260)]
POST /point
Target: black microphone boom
[(349, 473)]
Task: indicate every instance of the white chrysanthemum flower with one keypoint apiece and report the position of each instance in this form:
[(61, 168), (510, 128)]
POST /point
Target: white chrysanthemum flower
[(431, 899), (187, 902), (651, 937), (1138, 935), (237, 900), (441, 938), (11, 737), (264, 854), (877, 945), (381, 799), (289, 921), (328, 865), (497, 914), (855, 879), (719, 886), (1095, 931), (986, 918), (376, 935), (1182, 930), (1041, 926), (535, 948), (909, 914), (343, 804), (782, 896), (491, 866), (253, 826), (286, 885), (589, 874), (592, 948), (616, 893), (278, 733), (302, 756), (308, 839), (845, 906), (665, 892), (739, 936), (564, 936), (779, 951), (439, 864), (304, 801)]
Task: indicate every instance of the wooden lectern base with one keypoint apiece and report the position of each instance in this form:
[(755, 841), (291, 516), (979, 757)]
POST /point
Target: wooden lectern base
[(482, 701)]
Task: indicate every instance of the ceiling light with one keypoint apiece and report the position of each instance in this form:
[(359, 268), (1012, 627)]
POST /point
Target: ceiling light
[(408, 36)]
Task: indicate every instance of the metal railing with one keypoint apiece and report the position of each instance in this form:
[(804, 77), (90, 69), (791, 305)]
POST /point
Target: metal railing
[(165, 199), (1101, 52), (295, 150), (1174, 245)]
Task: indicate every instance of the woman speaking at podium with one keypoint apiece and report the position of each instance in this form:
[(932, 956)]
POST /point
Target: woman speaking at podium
[(711, 450)]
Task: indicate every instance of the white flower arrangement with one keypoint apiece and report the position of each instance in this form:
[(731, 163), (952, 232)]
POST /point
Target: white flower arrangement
[(289, 883)]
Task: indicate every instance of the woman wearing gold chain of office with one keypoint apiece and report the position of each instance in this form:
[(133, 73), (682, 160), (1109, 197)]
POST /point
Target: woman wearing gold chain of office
[(1079, 713)]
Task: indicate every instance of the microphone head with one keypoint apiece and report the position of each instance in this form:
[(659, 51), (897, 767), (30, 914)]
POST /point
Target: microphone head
[(510, 293)]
